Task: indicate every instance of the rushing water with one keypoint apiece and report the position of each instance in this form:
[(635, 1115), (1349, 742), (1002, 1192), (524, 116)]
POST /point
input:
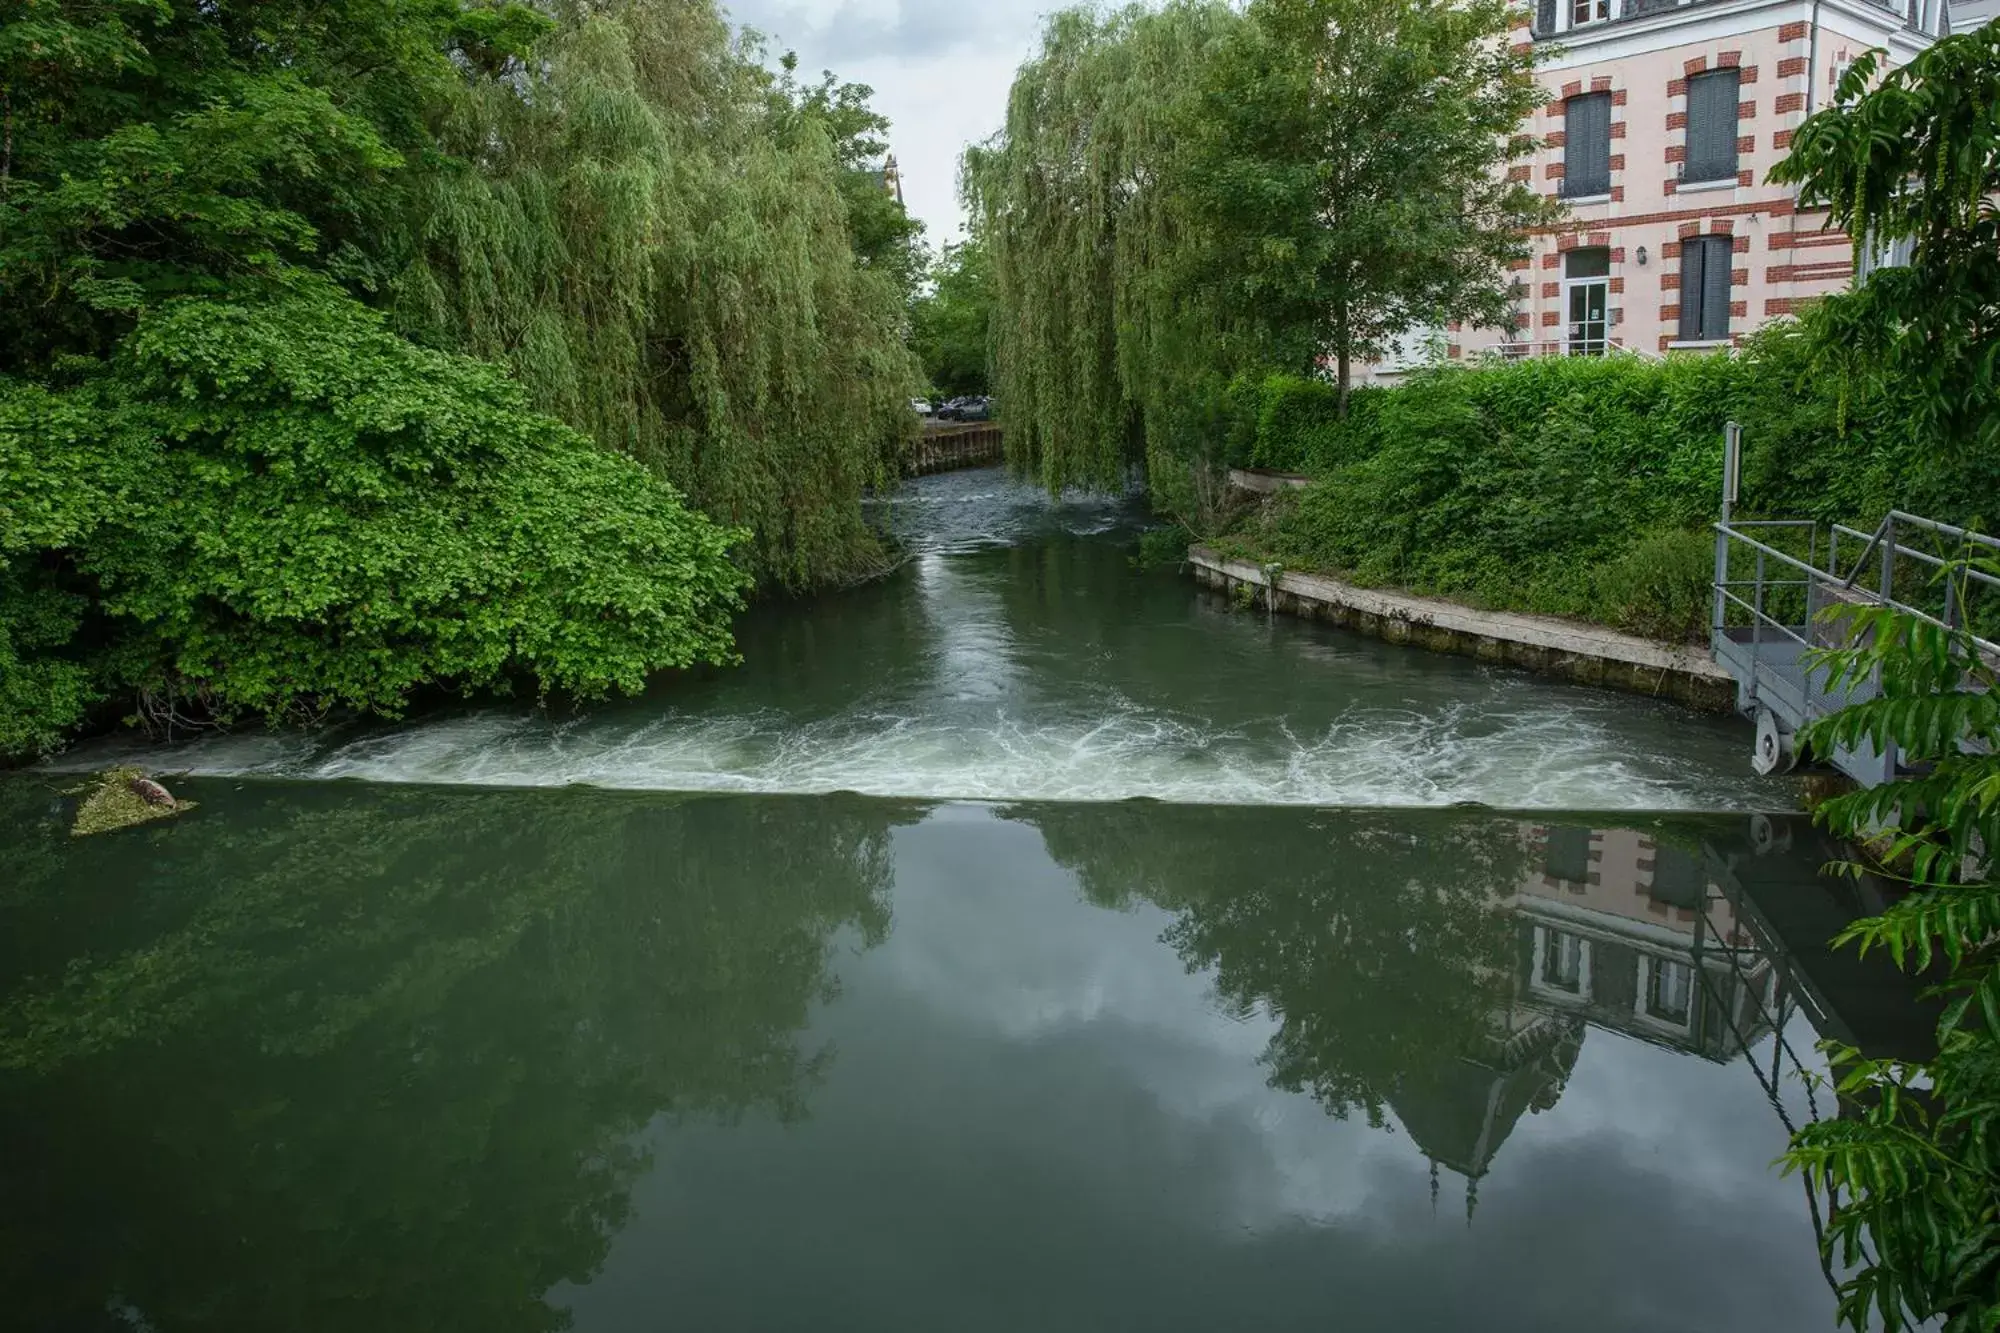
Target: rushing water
[(464, 1047), (1018, 656)]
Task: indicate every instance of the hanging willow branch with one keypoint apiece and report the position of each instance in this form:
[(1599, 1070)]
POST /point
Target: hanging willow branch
[(654, 239)]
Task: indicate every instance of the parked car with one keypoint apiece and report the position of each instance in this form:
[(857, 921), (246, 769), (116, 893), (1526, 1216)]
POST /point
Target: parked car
[(921, 406), (976, 409)]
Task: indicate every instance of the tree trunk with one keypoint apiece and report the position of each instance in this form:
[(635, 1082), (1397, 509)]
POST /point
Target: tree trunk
[(1342, 352)]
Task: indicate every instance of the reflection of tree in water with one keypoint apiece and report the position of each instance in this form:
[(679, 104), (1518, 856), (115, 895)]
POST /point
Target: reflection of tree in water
[(1383, 945), (364, 1058)]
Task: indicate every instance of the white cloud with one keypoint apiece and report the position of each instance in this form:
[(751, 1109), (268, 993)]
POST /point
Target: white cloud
[(940, 70)]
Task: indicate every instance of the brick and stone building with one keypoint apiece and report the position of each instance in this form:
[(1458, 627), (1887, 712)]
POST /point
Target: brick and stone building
[(1662, 123)]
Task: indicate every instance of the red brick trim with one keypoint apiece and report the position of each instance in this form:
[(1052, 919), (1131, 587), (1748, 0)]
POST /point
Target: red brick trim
[(1719, 220), (1746, 76), (1677, 120), (1572, 88), (1745, 179), (1617, 129), (1698, 65), (1787, 103), (1556, 138), (1520, 173), (1550, 318), (1747, 144), (1617, 285), (1739, 277), (1779, 305), (1670, 281), (1677, 152), (1553, 171), (1746, 111), (1791, 67), (1670, 313), (1739, 309), (1601, 83), (1677, 87), (1617, 194), (1618, 97), (1781, 140), (1729, 60), (1618, 161), (1791, 32), (1550, 289), (1741, 246)]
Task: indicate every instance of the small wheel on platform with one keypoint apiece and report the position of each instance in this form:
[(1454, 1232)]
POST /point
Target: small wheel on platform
[(1773, 751), (1767, 835)]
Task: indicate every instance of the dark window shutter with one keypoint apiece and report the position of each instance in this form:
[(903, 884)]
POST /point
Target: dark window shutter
[(1692, 253), (1711, 128), (1715, 289), (1587, 145), (1545, 17)]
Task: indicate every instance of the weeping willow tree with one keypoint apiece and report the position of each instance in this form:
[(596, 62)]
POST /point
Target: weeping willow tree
[(1090, 244), (650, 232), (1186, 194)]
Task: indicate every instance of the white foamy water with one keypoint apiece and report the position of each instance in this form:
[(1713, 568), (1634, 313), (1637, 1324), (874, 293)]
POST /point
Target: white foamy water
[(1533, 759)]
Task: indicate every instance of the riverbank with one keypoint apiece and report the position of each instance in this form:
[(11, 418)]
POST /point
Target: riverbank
[(1584, 654)]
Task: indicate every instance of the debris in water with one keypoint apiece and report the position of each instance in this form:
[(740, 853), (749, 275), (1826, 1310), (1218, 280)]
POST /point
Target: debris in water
[(120, 798)]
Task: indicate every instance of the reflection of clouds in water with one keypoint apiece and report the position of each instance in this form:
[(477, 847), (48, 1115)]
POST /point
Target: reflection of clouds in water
[(991, 934), (1038, 1118)]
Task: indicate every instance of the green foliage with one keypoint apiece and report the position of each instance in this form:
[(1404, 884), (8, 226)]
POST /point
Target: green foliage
[(1917, 157), (951, 326), (1662, 586), (1515, 485), (661, 249), (1167, 211), (1912, 1174), (277, 506)]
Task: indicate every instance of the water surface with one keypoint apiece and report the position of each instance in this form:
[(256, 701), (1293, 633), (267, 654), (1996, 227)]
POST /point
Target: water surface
[(1017, 655), (333, 1057)]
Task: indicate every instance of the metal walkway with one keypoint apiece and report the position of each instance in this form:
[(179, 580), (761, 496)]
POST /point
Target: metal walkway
[(1774, 579)]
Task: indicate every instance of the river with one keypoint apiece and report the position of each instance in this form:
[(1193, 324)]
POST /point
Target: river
[(853, 989)]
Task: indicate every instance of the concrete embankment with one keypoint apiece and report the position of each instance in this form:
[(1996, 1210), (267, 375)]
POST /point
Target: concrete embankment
[(1582, 653)]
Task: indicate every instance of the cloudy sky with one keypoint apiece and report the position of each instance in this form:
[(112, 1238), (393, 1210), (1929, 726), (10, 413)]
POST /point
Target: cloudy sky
[(940, 70)]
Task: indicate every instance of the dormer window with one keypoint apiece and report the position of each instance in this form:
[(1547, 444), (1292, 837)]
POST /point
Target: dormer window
[(1588, 11)]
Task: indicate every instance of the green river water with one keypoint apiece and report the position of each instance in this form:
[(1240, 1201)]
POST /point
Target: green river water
[(1023, 942)]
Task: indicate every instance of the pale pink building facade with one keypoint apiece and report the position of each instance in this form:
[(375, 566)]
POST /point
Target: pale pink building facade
[(1662, 123)]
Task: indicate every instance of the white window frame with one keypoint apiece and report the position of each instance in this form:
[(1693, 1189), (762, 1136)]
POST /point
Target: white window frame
[(1581, 995), (1647, 963), (1570, 347)]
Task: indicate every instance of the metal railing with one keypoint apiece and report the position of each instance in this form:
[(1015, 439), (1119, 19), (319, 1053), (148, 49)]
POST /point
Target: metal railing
[(1769, 604)]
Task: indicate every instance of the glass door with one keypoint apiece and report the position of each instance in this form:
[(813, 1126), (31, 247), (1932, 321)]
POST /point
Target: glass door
[(1587, 298)]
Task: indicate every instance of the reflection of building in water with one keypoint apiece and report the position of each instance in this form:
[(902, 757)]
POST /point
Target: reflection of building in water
[(1618, 929), (1628, 931)]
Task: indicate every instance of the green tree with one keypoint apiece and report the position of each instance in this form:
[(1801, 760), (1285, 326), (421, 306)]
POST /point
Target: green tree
[(275, 507), (1914, 155), (654, 234), (885, 237), (1912, 1173), (1349, 161), (1185, 195), (952, 326)]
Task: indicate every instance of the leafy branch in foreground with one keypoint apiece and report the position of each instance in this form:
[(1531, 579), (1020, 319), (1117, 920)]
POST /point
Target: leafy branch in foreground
[(1911, 1170)]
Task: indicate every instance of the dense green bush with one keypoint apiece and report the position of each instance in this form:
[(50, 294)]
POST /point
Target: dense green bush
[(1514, 485), (276, 507), (1582, 486), (1662, 586)]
